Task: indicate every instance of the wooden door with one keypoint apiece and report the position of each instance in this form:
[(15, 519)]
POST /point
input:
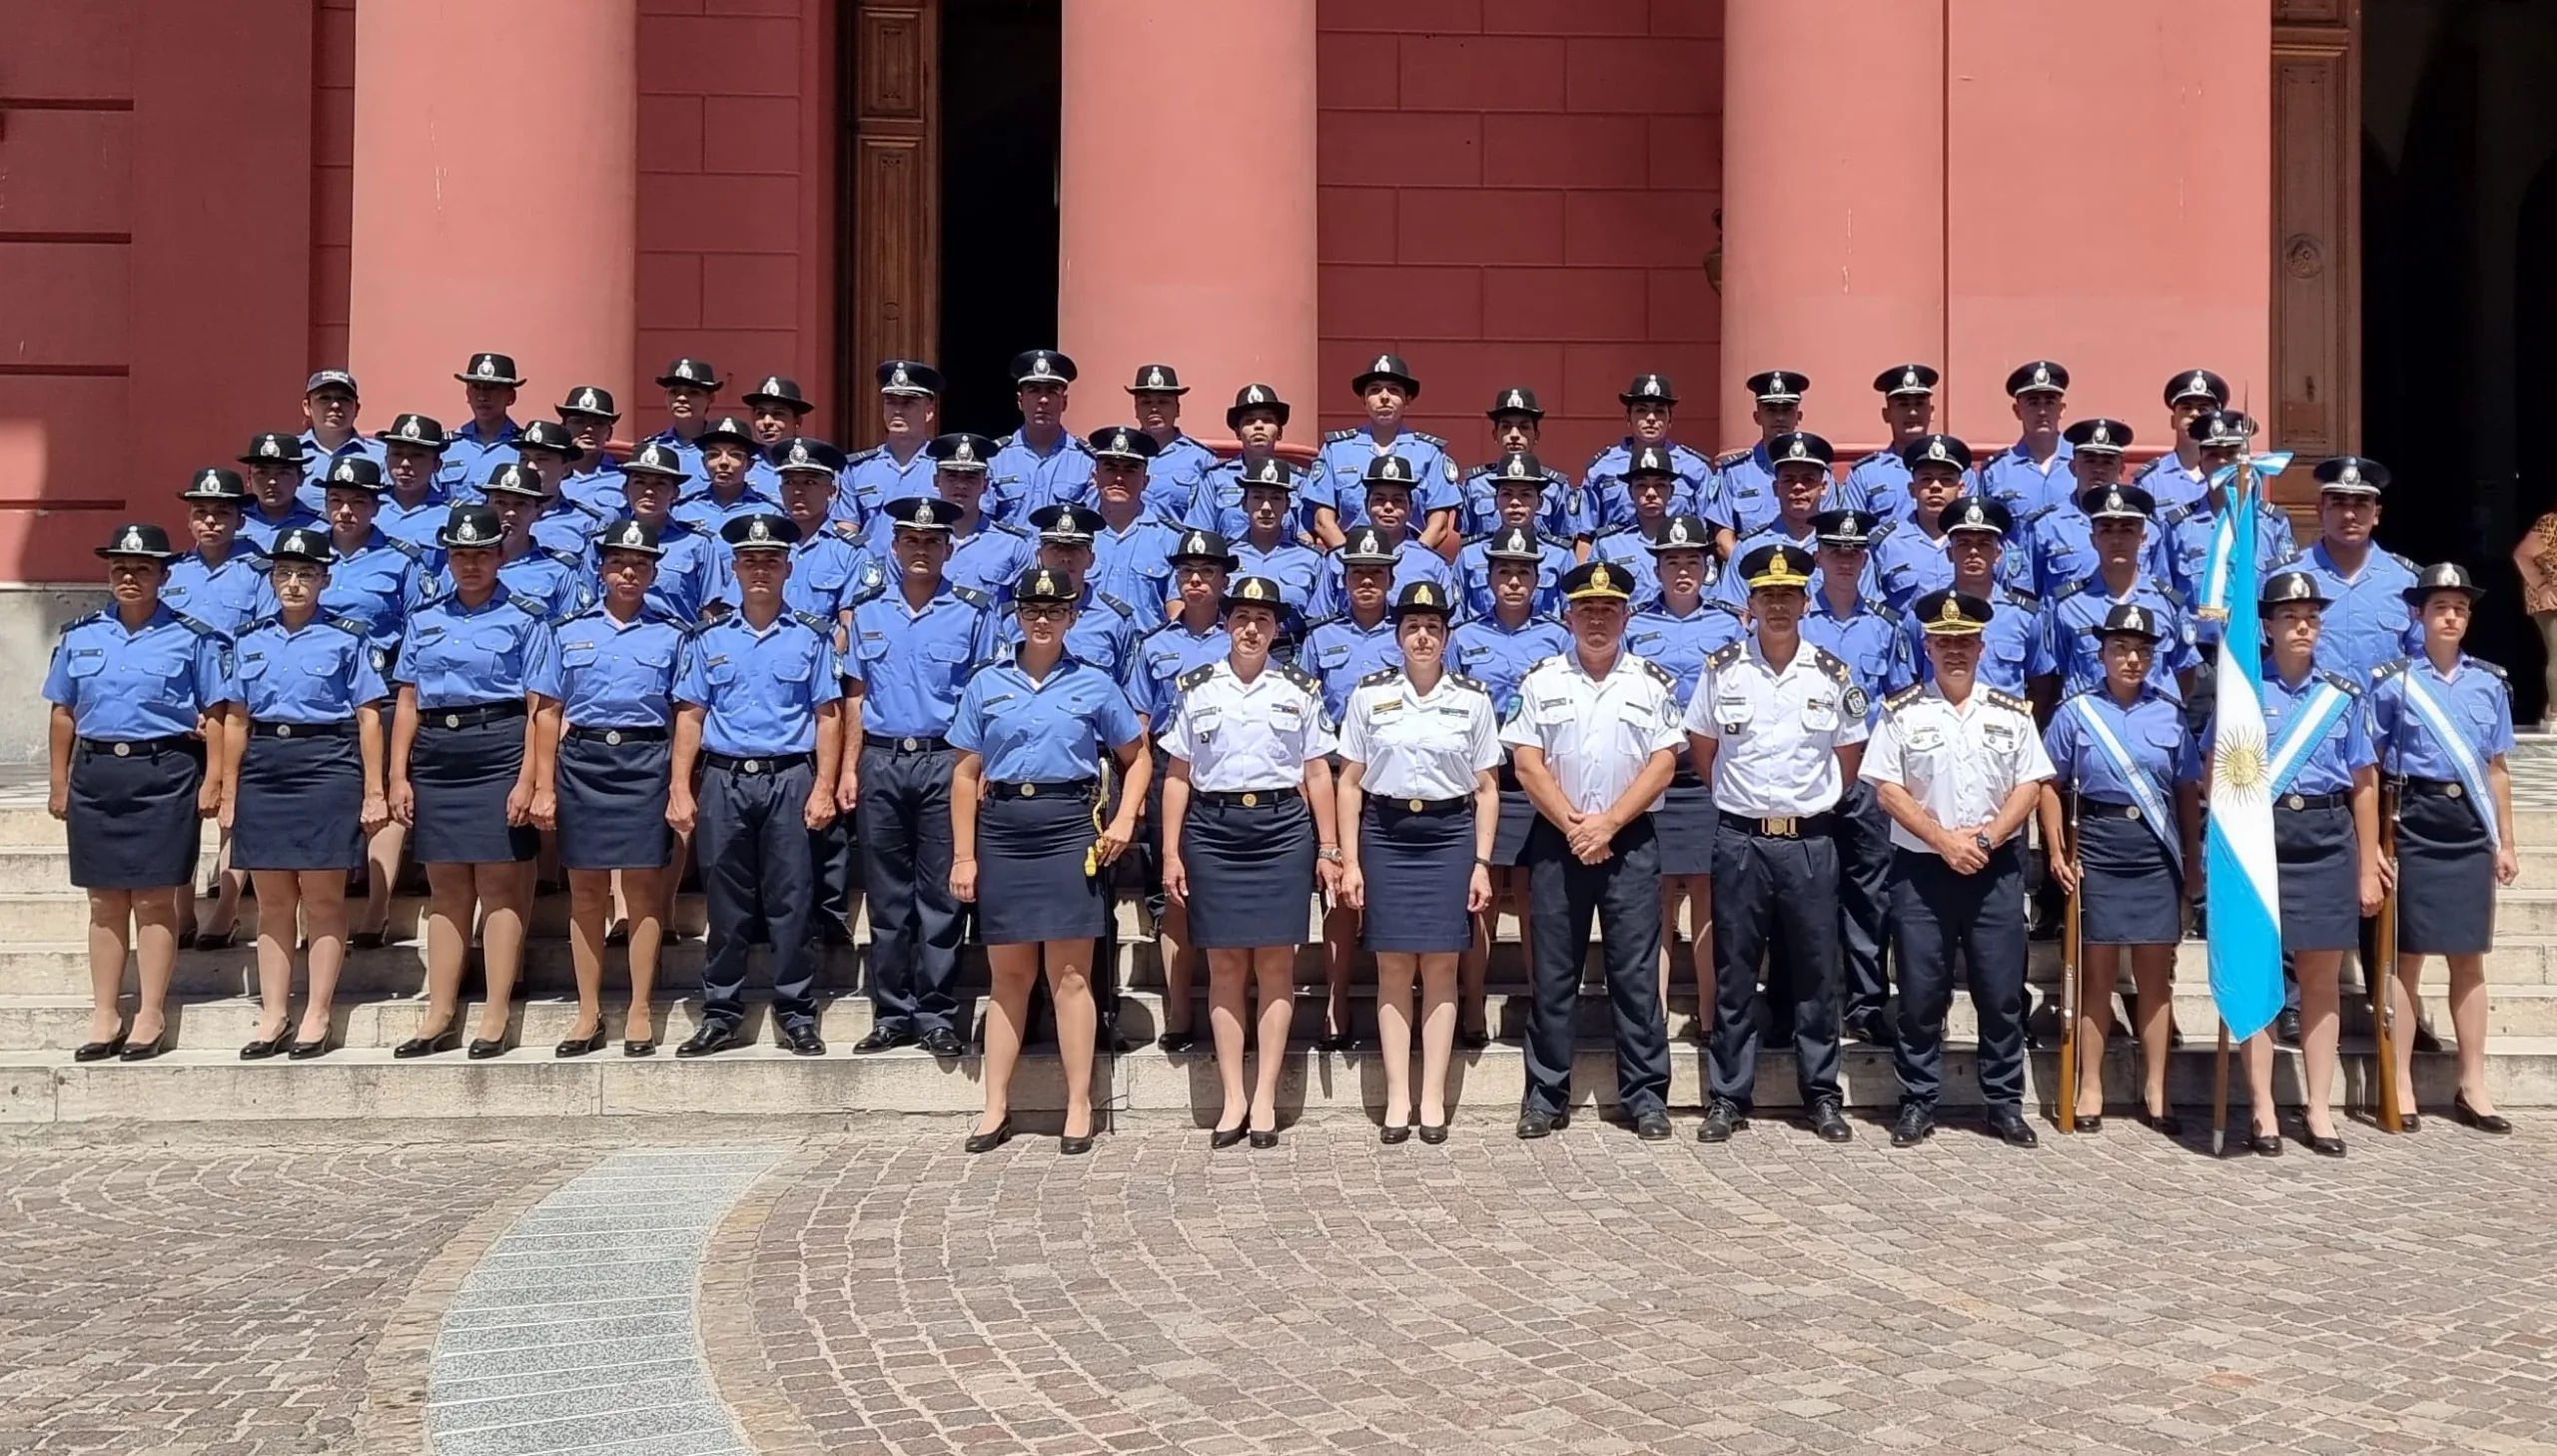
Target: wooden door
[(2316, 262), (892, 196)]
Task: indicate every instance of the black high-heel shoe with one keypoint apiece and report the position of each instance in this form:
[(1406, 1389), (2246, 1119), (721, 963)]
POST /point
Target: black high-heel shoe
[(2469, 1116), (2264, 1144), (1070, 1145), (989, 1142), (639, 1047), (212, 941), (1394, 1133), (305, 1051), (580, 1046), (483, 1049), (1433, 1136), (1264, 1140), (99, 1051), (260, 1050), (2166, 1124), (416, 1047), (145, 1051), (2325, 1146), (1220, 1138), (367, 940)]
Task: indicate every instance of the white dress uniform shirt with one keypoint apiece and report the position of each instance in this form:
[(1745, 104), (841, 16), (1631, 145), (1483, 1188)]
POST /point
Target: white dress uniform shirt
[(1418, 745), (1240, 735), (1959, 763), (1596, 732), (1777, 732)]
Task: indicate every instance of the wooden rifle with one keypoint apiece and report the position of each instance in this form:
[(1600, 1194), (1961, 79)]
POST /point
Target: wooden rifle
[(2071, 959)]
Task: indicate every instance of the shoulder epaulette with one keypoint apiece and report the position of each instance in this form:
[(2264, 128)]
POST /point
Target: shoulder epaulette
[(1319, 623), (254, 623), (2497, 668), (1660, 674), (348, 625), (2175, 515), (2387, 670), (858, 456), (2038, 512), (1725, 655), (1689, 451), (814, 623), (1115, 604), (196, 625), (82, 620), (1729, 458), (1196, 676), (1301, 678), (2009, 702), (2065, 592), (1433, 439), (1007, 442), (564, 558), (1337, 435), (2341, 681), (407, 547), (2402, 561), (1381, 675), (972, 596), (2172, 593), (1007, 527), (1462, 681), (528, 607), (1882, 609), (1879, 533), (1833, 664), (1603, 452), (2025, 597), (1478, 472), (1903, 697)]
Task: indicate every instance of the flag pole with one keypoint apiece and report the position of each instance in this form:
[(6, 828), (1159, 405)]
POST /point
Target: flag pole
[(2220, 1097)]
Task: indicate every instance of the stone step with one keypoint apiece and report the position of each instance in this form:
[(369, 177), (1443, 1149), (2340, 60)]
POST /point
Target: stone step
[(215, 1085)]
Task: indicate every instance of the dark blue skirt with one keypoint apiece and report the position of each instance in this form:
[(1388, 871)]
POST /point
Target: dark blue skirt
[(461, 777), (1517, 817), (2446, 876), (300, 805), (2321, 878), (1031, 885), (2133, 895), (1251, 873), (1418, 868), (612, 803), (133, 819), (1686, 824)]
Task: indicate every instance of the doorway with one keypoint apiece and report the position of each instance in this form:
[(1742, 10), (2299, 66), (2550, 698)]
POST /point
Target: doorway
[(1002, 69)]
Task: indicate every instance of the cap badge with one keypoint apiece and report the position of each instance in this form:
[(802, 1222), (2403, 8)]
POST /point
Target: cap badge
[(1935, 450), (798, 453), (1599, 579), (2351, 476), (466, 532), (2041, 373), (585, 398), (132, 539), (2201, 383), (1952, 610), (208, 480), (2101, 435), (1516, 400), (1252, 589), (966, 452), (1252, 395), (1677, 532), (1384, 363), (1039, 363), (269, 448), (345, 471), (1153, 378), (1909, 380), (683, 368), (898, 376), (756, 530)]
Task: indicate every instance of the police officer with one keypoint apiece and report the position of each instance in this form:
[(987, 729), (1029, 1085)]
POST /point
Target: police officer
[(226, 594), (1336, 493), (1959, 768), (728, 452), (1495, 648), (131, 686), (897, 467), (1042, 463), (1122, 456), (275, 485), (2060, 534), (2016, 653), (1267, 548), (913, 648), (1651, 409), (1866, 635), (371, 576), (461, 773), (1519, 489), (829, 570), (603, 686), (2444, 727), (1257, 419), (1555, 506), (1104, 632), (304, 782), (487, 439), (1419, 806), (1878, 483), (544, 451), (2119, 516), (2130, 825), (1131, 542), (692, 386), (1801, 487), (1777, 727), (547, 577), (687, 564), (413, 506), (2180, 477), (2322, 775), (2191, 531), (1651, 483), (986, 554), (1179, 463), (329, 404), (588, 416), (1746, 478), (1029, 841), (1195, 637), (758, 694), (1341, 651), (2034, 471), (775, 411), (217, 583), (1390, 491), (2371, 623), (1594, 738), (1911, 553)]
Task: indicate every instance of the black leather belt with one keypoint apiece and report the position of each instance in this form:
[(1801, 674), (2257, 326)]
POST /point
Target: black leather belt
[(2312, 801), (618, 735), (2433, 788), (1383, 802), (2107, 809), (908, 744), (1250, 798), (1070, 789), (344, 728), (143, 747), (472, 715), (1809, 825), (772, 765)]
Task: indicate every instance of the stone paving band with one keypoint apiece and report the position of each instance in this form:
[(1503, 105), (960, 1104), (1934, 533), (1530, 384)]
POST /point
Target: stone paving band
[(1814, 720)]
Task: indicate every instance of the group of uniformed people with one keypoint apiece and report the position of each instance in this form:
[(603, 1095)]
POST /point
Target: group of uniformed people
[(1815, 716)]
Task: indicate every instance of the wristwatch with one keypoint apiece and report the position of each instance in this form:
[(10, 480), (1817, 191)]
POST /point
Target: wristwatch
[(1328, 854), (1981, 840), (1481, 864)]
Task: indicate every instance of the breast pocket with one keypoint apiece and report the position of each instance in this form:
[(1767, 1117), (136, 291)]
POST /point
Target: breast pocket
[(499, 646), (1820, 714)]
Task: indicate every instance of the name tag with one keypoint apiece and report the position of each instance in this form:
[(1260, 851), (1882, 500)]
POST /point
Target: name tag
[(1926, 740), (2001, 736), (1389, 705)]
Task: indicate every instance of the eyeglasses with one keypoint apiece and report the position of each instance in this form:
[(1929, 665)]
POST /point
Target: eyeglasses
[(1043, 611)]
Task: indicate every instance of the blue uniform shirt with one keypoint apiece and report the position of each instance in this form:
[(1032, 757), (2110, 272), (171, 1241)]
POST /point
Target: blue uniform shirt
[(706, 512), (2082, 606), (1629, 547), (1907, 564), (1678, 645), (153, 683), (1019, 480), (1217, 506), (223, 597), (1412, 562), (1473, 574), (469, 458), (552, 581), (1339, 652), (2015, 647), (317, 462), (1869, 639), (1044, 732), (371, 587), (1563, 510), (1338, 476), (598, 489), (1104, 636), (1298, 569), (417, 524), (567, 527), (259, 531), (2476, 698), (2010, 479), (1166, 654), (2062, 542), (2327, 766), (1175, 476), (1746, 481), (1497, 655), (760, 690), (1134, 565), (912, 664), (2367, 623), (2187, 530), (607, 673), (2169, 483), (1730, 589), (461, 657), (829, 571), (686, 573), (874, 477), (1606, 504), (992, 558), (319, 673), (2151, 730)]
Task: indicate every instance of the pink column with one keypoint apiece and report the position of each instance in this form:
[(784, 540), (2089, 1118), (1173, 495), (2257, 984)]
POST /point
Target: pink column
[(1833, 203), (495, 198), (1213, 104)]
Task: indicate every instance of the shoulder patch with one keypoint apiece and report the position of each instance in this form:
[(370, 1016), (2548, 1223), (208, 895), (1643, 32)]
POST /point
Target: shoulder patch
[(2341, 681), (1337, 435), (1381, 675), (1303, 679), (1196, 676), (1725, 655), (1729, 458), (2009, 702), (1903, 697), (2387, 670), (972, 596)]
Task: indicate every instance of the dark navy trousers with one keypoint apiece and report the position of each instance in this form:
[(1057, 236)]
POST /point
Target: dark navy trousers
[(759, 866), (1864, 899), (1623, 894), (915, 921), (1982, 918), (1763, 884)]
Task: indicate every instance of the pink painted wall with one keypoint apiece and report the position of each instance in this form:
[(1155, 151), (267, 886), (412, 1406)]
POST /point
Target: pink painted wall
[(1521, 192)]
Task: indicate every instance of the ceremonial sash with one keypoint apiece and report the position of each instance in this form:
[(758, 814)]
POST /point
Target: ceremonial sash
[(2463, 758), (2325, 707), (2144, 789), (2224, 530)]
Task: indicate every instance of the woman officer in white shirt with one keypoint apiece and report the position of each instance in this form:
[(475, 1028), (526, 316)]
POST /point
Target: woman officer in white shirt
[(1420, 807)]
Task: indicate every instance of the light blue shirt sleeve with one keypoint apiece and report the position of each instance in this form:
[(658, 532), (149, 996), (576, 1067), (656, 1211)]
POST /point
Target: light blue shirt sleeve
[(1116, 718), (542, 672), (968, 724), (692, 681), (217, 677)]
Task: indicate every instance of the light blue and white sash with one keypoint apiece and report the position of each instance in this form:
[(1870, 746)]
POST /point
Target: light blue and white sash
[(2144, 789), (2325, 704), (2463, 755)]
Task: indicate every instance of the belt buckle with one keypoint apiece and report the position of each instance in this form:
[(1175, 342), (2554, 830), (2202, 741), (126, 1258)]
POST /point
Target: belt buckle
[(2296, 802), (1030, 791), (453, 720), (1417, 806), (752, 765), (2455, 789), (909, 744), (1250, 800), (124, 750), (1784, 828), (284, 730)]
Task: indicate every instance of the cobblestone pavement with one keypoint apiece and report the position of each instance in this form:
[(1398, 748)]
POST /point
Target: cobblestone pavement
[(881, 1292)]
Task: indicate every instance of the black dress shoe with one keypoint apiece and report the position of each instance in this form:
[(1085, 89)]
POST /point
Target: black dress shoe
[(2469, 1116), (803, 1040), (145, 1051), (2090, 1121), (2264, 1144), (367, 941), (884, 1039), (1721, 1120), (213, 941), (1070, 1146), (1220, 1138), (2008, 1125), (99, 1051), (1264, 1139), (2165, 1123), (2410, 1122), (1394, 1132), (186, 939), (484, 1048), (1433, 1136), (260, 1050), (1334, 1041), (305, 1051), (2287, 1027), (580, 1046), (639, 1047), (1537, 1122), (989, 1142), (1473, 1040), (1652, 1127), (415, 1047), (1176, 1041), (2325, 1147), (943, 1042), (2426, 1039), (1828, 1123), (713, 1036), (1916, 1126)]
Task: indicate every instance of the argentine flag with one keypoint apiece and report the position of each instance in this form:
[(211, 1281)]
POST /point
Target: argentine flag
[(2243, 902)]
